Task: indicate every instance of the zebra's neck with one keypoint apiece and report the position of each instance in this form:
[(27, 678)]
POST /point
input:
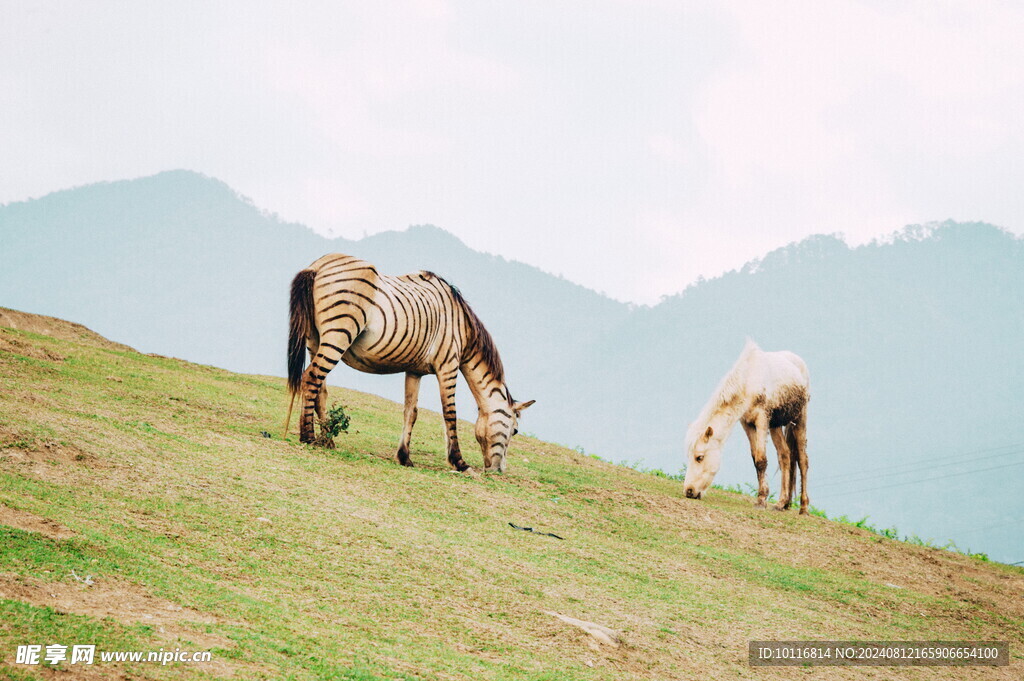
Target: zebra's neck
[(489, 392)]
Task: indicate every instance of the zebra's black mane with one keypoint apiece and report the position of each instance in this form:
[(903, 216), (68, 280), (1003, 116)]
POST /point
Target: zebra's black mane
[(481, 336)]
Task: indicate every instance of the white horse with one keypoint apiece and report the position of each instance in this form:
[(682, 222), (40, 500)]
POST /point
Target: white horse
[(765, 392)]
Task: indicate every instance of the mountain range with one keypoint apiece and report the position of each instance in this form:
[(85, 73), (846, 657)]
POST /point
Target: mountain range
[(913, 341)]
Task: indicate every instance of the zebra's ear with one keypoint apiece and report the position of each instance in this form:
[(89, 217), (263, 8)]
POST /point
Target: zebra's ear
[(518, 407), (708, 433)]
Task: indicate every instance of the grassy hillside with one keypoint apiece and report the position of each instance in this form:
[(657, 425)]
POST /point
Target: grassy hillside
[(150, 478)]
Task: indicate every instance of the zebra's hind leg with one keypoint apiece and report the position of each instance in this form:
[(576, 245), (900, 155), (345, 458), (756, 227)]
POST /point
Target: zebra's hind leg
[(321, 413), (320, 403), (314, 384)]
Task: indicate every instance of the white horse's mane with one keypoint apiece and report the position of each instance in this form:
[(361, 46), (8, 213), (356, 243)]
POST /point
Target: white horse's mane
[(728, 399)]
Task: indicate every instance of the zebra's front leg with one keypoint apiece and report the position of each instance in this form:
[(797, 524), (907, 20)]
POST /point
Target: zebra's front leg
[(412, 394), (446, 379)]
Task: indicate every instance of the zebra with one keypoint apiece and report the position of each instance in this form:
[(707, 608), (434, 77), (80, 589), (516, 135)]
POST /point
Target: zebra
[(342, 309)]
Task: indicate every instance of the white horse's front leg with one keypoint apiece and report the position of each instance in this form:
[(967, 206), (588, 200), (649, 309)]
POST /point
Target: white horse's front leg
[(757, 433)]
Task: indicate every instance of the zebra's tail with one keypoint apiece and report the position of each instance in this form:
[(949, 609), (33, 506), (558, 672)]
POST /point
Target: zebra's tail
[(301, 324)]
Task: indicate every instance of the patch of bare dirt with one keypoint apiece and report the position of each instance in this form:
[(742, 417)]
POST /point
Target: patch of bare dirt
[(46, 459), (55, 328), (123, 601), (30, 522), (10, 343), (53, 453), (127, 603)]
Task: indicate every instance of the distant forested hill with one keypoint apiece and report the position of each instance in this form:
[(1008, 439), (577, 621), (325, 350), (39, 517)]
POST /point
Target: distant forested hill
[(914, 343)]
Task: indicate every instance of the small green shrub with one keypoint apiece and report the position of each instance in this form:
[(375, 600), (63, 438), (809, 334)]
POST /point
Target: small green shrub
[(335, 422)]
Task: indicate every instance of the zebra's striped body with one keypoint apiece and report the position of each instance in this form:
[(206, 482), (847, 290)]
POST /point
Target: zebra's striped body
[(343, 310)]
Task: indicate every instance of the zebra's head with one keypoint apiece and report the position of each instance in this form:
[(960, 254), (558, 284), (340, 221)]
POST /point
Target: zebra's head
[(494, 431)]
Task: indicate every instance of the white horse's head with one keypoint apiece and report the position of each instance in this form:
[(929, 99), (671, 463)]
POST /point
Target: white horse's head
[(704, 457)]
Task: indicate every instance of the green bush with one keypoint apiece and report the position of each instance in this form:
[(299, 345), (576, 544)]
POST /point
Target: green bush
[(335, 422)]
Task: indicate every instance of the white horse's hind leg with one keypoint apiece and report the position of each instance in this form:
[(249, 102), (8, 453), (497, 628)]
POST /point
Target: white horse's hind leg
[(757, 433), (785, 466), (794, 462), (797, 437)]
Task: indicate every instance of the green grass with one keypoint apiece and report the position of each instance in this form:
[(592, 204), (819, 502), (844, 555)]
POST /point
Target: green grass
[(308, 563)]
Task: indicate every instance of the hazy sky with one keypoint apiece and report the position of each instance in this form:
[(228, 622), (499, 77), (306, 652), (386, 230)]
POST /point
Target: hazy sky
[(630, 145)]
